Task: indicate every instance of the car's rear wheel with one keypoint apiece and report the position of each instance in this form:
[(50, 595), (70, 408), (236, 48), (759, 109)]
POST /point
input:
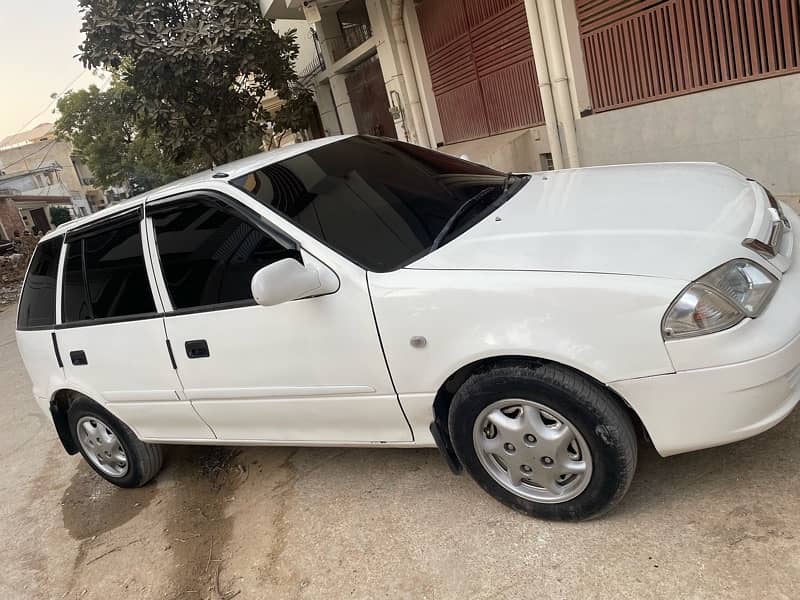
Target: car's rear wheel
[(110, 447), (544, 440)]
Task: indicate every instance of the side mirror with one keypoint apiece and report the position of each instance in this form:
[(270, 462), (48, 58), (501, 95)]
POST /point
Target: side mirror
[(289, 279)]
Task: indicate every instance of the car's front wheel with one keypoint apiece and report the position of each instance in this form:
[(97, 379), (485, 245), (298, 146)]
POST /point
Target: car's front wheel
[(544, 440), (110, 447)]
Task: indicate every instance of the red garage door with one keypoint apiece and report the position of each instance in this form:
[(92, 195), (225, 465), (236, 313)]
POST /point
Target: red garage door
[(643, 50), (481, 63)]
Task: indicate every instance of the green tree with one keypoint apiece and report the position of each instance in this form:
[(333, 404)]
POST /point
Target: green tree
[(198, 69), (115, 139), (59, 215)]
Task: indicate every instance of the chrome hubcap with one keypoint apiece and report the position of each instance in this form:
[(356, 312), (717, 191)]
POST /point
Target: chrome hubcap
[(102, 447), (532, 451)]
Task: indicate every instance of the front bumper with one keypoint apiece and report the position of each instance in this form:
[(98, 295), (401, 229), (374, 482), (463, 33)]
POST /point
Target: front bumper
[(701, 408)]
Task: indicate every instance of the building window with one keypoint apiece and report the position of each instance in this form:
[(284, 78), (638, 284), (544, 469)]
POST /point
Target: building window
[(546, 160)]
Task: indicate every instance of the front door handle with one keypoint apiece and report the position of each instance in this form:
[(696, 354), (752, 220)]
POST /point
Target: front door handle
[(197, 349)]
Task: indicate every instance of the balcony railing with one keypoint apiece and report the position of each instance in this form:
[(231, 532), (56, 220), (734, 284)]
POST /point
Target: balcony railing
[(353, 35)]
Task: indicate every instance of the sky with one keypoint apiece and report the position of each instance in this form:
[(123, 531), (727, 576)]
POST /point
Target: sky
[(38, 43)]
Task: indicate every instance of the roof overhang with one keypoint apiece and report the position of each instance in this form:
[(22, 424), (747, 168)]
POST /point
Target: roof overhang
[(293, 9), (282, 9)]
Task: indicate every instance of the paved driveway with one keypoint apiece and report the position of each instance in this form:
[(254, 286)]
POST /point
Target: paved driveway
[(378, 523)]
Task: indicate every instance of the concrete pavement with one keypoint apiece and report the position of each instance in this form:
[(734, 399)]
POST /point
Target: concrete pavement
[(379, 523)]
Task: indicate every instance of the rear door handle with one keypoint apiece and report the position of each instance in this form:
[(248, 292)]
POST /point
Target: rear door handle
[(78, 358), (197, 349)]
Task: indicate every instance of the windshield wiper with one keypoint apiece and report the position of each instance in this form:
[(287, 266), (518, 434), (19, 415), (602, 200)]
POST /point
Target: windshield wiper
[(462, 210), (468, 205), (507, 181)]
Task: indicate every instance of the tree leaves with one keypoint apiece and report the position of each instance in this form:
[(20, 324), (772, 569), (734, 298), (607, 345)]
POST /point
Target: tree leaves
[(116, 139), (197, 71)]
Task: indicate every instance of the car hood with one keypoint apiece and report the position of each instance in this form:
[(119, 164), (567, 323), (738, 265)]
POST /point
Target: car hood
[(673, 220)]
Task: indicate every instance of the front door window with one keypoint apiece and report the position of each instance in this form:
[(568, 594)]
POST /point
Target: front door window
[(209, 253)]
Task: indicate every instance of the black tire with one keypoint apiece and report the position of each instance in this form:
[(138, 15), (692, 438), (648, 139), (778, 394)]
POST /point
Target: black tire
[(144, 460), (604, 424)]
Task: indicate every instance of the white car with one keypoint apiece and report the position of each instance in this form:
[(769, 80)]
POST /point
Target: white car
[(355, 291)]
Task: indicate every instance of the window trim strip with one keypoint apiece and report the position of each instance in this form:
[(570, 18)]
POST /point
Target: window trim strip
[(253, 217), (134, 215), (86, 289), (108, 320), (145, 316)]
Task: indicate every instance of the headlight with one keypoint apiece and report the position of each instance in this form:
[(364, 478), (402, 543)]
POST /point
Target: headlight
[(719, 300)]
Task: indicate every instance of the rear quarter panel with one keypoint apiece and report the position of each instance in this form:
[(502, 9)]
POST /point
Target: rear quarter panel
[(39, 358)]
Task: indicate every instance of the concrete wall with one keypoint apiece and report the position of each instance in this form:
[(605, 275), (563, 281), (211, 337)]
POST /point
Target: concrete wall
[(753, 127), (10, 219), (517, 151)]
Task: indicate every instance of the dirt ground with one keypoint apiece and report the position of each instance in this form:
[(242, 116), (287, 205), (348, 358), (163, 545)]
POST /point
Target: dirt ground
[(377, 523)]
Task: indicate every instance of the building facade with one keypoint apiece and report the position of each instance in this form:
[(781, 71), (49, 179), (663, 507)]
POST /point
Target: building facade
[(536, 84), (40, 148), (27, 198)]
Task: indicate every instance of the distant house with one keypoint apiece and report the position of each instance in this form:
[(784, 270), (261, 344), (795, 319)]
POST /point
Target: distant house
[(26, 199), (39, 148)]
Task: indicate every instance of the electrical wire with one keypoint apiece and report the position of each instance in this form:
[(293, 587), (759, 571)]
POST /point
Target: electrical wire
[(27, 156), (49, 104)]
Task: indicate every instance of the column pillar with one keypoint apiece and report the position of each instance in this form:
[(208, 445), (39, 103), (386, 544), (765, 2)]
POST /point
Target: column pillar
[(341, 99), (327, 108)]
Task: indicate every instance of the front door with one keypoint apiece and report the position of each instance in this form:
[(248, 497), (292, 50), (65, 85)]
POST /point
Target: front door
[(311, 370)]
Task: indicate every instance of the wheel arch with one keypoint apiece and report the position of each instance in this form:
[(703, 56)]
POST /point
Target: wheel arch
[(446, 392), (60, 402)]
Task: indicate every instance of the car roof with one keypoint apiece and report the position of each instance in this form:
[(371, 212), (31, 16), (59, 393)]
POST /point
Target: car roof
[(227, 171)]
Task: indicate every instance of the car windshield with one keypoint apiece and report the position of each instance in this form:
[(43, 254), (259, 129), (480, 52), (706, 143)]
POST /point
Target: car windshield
[(380, 203)]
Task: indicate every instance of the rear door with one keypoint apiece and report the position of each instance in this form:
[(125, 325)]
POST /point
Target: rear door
[(111, 332), (311, 370)]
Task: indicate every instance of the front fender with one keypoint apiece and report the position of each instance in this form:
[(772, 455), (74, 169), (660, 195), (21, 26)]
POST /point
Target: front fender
[(607, 326)]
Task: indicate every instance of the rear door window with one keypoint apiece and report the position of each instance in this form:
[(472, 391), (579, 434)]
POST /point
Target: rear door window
[(37, 306), (105, 274)]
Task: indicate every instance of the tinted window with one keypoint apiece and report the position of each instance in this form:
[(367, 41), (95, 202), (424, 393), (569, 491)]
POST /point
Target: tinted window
[(209, 253), (105, 275), (74, 300), (37, 306), (380, 203)]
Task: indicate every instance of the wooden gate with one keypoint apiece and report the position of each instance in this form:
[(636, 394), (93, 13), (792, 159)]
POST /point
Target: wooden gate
[(481, 63), (40, 221), (370, 102)]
